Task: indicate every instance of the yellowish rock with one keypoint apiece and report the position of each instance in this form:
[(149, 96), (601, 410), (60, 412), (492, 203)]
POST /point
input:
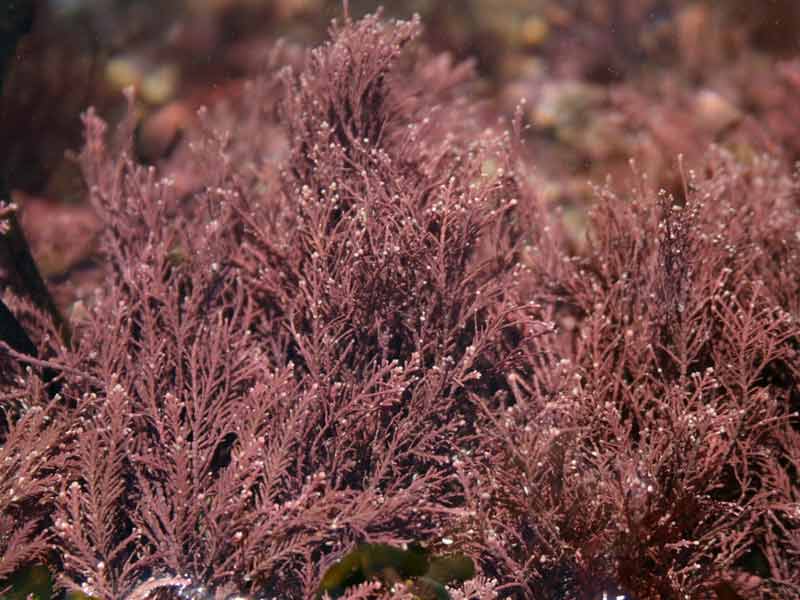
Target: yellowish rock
[(535, 31), (160, 85)]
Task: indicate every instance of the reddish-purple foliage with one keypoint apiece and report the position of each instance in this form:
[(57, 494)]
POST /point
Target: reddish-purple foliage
[(374, 335), (658, 451), (276, 372), (28, 470)]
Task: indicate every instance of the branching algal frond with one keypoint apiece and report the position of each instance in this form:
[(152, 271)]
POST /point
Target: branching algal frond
[(660, 457), (100, 549), (30, 467)]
